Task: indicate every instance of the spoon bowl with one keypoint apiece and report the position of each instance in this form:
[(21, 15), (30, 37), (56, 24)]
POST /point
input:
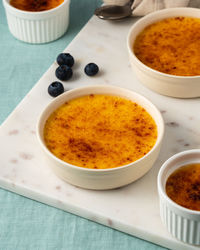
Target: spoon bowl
[(114, 12)]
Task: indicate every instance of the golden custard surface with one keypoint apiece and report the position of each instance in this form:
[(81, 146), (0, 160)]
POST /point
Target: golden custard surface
[(171, 46), (35, 5), (100, 131), (183, 186)]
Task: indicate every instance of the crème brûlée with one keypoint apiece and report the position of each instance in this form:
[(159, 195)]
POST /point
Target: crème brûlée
[(35, 5), (100, 132), (183, 186), (171, 46)]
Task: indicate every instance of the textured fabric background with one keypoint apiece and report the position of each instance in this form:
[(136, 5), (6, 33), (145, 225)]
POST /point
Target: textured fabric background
[(27, 224), (143, 7)]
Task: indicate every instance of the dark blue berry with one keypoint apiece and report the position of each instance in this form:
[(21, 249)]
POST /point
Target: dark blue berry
[(65, 59), (55, 89), (91, 69), (63, 72)]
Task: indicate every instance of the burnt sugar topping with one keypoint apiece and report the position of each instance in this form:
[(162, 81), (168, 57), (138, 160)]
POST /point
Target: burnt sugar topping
[(183, 186), (171, 46), (35, 5), (100, 131)]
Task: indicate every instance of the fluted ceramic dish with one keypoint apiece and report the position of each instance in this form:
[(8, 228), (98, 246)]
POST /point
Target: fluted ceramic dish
[(182, 223), (37, 27), (165, 84), (102, 178)]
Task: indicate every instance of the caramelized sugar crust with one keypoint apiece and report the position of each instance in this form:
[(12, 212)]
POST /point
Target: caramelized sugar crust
[(100, 131), (183, 186), (35, 5), (171, 46)]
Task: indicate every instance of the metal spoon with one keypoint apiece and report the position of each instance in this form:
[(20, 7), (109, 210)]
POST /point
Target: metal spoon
[(114, 12)]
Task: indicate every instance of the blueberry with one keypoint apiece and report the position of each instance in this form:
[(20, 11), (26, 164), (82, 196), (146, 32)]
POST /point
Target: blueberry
[(91, 69), (55, 89), (65, 59), (63, 72)]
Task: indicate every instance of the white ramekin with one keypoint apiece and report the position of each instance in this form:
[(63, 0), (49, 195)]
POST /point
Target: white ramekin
[(182, 223), (38, 27), (101, 178), (165, 84)]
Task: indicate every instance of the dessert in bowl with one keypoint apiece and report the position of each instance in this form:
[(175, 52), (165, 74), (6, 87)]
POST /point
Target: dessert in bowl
[(37, 21), (100, 137), (33, 5), (179, 193), (164, 51)]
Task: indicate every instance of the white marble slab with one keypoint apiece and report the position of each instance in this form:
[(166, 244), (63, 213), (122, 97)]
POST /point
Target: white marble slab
[(133, 209)]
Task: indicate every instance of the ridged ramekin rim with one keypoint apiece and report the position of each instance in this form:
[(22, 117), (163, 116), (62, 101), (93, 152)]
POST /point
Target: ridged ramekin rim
[(34, 13), (160, 185)]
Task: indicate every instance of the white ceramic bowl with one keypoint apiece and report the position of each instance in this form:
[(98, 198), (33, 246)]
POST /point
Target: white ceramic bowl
[(182, 223), (102, 178), (38, 27), (165, 84)]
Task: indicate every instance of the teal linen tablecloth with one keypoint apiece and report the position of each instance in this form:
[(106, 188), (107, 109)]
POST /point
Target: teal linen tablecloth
[(24, 223)]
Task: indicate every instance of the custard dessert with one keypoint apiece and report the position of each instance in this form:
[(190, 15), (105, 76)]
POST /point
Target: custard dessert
[(35, 5), (171, 46), (183, 186), (100, 132)]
